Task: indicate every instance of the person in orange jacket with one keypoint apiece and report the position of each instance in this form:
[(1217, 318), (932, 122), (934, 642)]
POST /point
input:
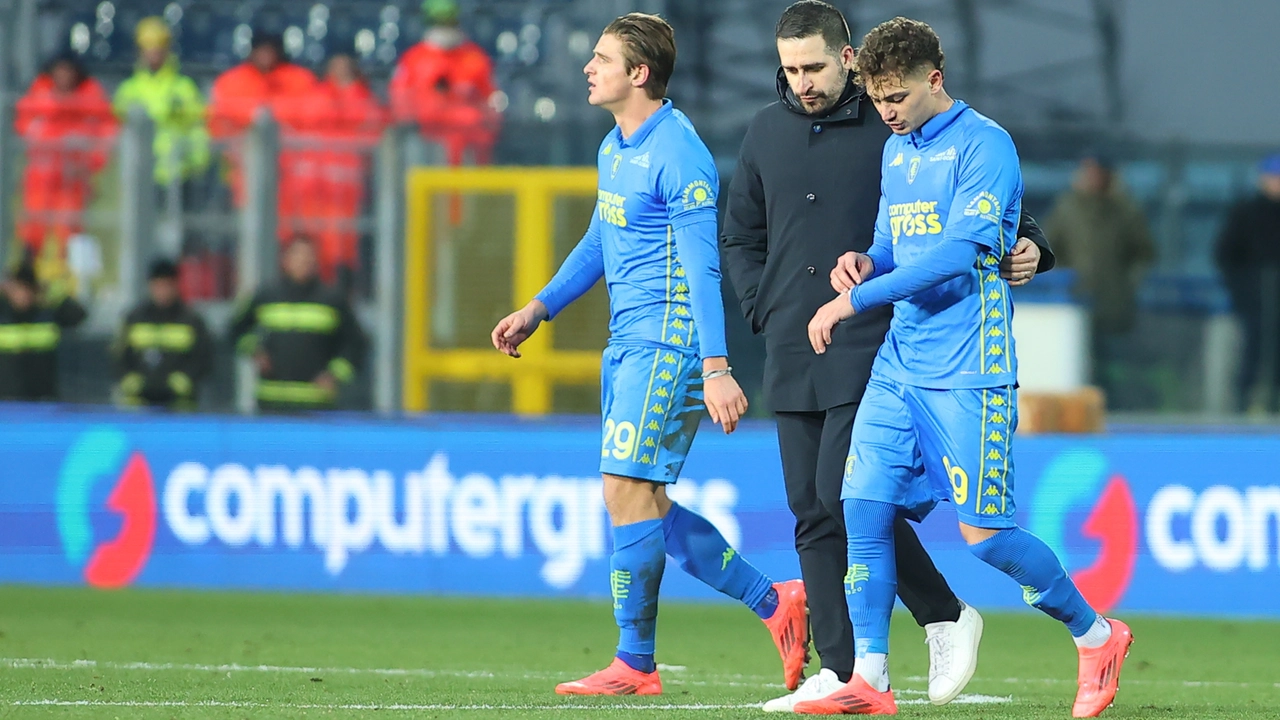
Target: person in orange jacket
[(67, 123), (340, 122), (265, 80), (444, 85)]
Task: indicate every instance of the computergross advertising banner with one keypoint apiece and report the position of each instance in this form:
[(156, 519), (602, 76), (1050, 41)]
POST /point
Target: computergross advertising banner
[(1166, 523)]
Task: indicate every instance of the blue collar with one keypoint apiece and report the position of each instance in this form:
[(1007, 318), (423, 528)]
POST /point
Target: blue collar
[(938, 123), (647, 126)]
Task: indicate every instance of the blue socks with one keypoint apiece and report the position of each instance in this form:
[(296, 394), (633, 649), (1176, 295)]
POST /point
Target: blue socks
[(1045, 583), (639, 556), (701, 551), (871, 583)]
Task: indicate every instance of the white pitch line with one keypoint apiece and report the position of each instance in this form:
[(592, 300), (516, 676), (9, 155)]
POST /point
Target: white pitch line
[(962, 700), (363, 706), (1136, 681), (52, 664)]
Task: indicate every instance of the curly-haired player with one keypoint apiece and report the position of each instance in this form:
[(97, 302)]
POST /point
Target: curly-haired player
[(938, 417)]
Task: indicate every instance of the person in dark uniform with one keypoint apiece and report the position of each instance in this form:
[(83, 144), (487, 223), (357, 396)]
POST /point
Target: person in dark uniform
[(164, 349), (1248, 255), (31, 325), (805, 193), (305, 340)]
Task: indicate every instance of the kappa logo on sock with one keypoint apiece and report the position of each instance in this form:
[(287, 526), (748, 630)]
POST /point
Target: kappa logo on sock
[(726, 557), (1030, 595), (619, 587), (857, 573)]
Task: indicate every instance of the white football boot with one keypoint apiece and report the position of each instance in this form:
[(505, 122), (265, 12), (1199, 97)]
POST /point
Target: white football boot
[(816, 687), (953, 654)]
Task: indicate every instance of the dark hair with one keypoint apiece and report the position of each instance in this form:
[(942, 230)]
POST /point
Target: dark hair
[(25, 274), (898, 48), (162, 268), (808, 18), (67, 57), (266, 38), (647, 40)]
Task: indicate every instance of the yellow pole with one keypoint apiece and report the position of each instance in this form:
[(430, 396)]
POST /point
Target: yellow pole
[(531, 391), (417, 289)]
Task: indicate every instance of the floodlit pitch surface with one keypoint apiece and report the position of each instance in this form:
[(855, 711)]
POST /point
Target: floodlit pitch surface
[(77, 653)]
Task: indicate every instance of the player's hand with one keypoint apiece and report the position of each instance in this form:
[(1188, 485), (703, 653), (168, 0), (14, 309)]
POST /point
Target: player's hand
[(825, 320), (851, 269), (517, 327), (726, 403), (1019, 266)]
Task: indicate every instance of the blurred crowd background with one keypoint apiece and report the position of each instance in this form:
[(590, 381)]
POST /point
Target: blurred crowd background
[(204, 200)]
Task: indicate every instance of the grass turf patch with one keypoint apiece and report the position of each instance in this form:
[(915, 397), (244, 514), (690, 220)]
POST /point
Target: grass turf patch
[(80, 653)]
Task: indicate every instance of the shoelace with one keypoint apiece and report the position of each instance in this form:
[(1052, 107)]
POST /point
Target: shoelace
[(939, 654)]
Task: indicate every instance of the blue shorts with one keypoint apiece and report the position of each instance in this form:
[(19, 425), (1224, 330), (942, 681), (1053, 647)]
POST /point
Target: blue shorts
[(914, 446), (651, 404)]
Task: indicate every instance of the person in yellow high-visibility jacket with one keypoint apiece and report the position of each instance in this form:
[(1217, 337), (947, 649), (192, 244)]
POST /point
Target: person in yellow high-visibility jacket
[(171, 99)]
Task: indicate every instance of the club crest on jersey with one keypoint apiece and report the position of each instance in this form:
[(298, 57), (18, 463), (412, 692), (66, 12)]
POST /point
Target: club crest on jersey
[(698, 194), (984, 205), (897, 161), (912, 169), (617, 162)]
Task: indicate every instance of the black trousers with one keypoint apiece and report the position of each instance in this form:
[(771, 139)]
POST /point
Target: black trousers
[(814, 448)]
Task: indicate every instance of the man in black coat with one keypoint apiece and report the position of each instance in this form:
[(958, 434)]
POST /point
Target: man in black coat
[(805, 193)]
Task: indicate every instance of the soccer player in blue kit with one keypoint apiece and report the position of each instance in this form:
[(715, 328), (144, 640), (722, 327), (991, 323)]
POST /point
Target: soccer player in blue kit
[(941, 407), (653, 239)]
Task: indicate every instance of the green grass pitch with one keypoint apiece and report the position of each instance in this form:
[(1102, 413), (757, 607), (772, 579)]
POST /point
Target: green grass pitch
[(77, 653)]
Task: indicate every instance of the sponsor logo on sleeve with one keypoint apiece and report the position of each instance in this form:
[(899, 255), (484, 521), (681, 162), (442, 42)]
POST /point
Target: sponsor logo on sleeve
[(698, 194), (986, 206)]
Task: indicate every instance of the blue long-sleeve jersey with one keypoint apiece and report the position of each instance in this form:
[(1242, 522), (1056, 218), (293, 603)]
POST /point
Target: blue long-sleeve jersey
[(653, 239), (951, 196)]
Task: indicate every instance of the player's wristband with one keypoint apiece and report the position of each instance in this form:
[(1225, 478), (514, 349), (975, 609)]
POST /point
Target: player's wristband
[(710, 374)]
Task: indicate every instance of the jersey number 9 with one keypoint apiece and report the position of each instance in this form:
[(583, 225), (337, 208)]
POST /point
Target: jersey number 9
[(959, 481)]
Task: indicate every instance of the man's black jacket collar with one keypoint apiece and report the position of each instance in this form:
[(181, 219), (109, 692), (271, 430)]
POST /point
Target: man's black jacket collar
[(850, 97)]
